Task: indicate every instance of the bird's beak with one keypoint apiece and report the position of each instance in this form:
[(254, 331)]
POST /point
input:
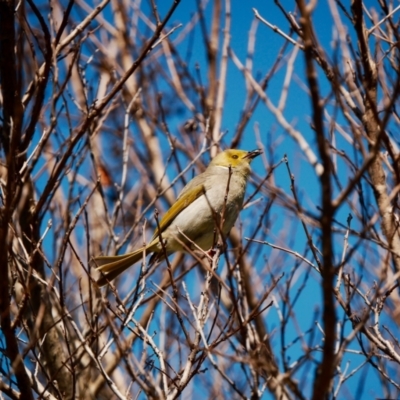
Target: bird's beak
[(253, 154)]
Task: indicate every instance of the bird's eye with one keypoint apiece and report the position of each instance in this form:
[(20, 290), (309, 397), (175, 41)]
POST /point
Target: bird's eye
[(235, 156)]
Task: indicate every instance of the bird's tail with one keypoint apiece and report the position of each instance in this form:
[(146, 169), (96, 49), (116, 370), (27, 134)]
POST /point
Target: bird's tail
[(112, 266)]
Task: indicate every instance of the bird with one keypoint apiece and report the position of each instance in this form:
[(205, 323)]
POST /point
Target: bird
[(207, 206)]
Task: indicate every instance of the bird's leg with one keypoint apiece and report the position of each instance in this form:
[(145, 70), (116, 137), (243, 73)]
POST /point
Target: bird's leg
[(219, 246), (155, 257), (211, 253)]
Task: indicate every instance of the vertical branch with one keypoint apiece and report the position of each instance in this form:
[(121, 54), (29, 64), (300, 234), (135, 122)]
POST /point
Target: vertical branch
[(9, 140), (372, 126), (324, 378), (222, 75), (212, 53)]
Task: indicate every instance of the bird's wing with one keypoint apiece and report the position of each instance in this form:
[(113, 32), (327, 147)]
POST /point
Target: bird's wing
[(183, 201)]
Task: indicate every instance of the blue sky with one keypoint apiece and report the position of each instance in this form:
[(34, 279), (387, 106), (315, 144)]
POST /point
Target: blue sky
[(297, 112)]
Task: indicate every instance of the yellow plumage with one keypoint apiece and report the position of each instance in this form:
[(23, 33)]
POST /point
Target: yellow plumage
[(196, 212)]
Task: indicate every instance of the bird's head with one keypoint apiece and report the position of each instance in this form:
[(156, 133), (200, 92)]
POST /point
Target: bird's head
[(236, 159)]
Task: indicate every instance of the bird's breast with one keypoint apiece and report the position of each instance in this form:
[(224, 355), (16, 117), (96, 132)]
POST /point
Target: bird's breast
[(199, 220)]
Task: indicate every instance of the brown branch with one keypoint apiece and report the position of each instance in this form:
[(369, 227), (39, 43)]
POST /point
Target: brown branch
[(324, 378), (95, 112), (212, 49), (374, 130), (41, 84), (10, 140)]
